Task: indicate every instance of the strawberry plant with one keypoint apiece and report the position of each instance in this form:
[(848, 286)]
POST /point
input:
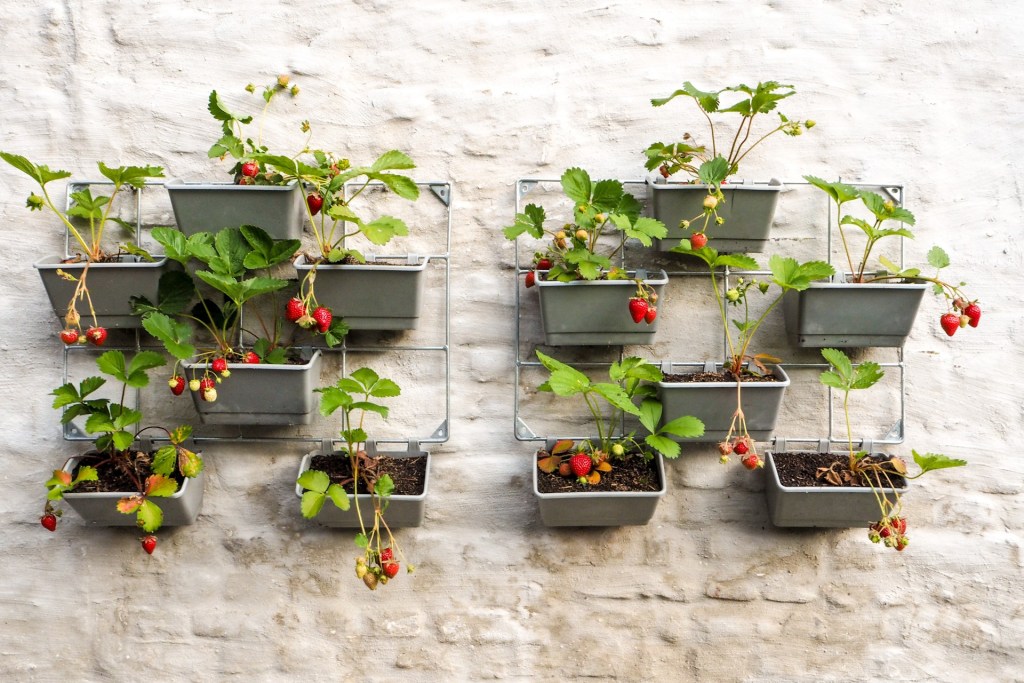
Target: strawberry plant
[(86, 221), (322, 177), (352, 396), (787, 274), (712, 166), (574, 251), (231, 273), (864, 469), (115, 426), (609, 402), (236, 142), (882, 214)]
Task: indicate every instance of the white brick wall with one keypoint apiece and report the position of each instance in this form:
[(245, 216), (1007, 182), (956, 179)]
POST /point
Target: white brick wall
[(481, 93)]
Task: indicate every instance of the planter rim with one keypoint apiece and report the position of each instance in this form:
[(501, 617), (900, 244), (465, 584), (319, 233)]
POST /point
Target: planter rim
[(773, 185), (659, 464), (177, 184), (776, 368), (903, 286), (283, 367), (656, 277), (72, 462), (774, 473), (413, 263), (308, 457), (56, 260)]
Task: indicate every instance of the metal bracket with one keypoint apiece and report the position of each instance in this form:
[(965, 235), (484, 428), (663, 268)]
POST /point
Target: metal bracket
[(523, 187), (442, 192), (895, 193), (895, 432), (523, 431), (441, 432)]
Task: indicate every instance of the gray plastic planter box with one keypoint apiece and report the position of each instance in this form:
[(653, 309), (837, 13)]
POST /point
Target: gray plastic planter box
[(715, 402), (208, 207), (599, 508), (111, 287), (820, 506), (262, 394), (748, 212), (402, 511), (100, 509), (596, 312), (839, 314), (380, 295)]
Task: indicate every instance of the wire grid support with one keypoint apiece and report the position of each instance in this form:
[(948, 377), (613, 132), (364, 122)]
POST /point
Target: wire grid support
[(897, 431), (441, 190)]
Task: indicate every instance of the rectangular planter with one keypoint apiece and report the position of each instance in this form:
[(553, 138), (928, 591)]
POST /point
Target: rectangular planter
[(841, 315), (111, 287), (402, 511), (715, 402), (100, 509), (262, 394), (820, 506), (748, 211), (599, 508), (595, 312), (208, 207), (375, 296)]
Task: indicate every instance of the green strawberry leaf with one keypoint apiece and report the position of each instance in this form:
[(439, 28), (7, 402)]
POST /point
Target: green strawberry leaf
[(938, 258), (381, 230), (338, 497), (664, 445), (165, 460), (312, 503), (686, 426), (936, 461), (371, 407), (392, 160), (577, 186), (174, 335), (41, 174), (314, 480), (384, 486), (149, 517), (617, 396)]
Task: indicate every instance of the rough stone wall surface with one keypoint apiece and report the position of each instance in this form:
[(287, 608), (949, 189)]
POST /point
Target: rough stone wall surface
[(479, 94)]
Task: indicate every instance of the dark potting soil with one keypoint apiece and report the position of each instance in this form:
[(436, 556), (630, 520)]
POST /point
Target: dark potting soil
[(114, 474), (316, 259), (801, 468), (633, 474), (408, 474), (718, 377)]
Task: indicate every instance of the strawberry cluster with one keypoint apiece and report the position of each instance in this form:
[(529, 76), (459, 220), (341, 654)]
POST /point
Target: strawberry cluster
[(297, 311), (94, 335), (207, 386), (966, 313), (744, 447), (382, 568), (542, 263), (892, 531)]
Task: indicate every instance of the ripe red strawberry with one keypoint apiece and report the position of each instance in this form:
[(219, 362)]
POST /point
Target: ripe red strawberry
[(387, 555), (899, 524), (294, 309), (251, 358), (323, 317), (390, 569), (950, 323), (741, 448), (751, 461), (531, 279), (314, 202), (544, 264), (205, 384), (49, 521), (69, 337), (637, 309), (177, 384), (651, 314), (973, 311), (219, 365), (698, 240), (250, 169), (96, 335), (149, 544), (663, 169), (580, 464)]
